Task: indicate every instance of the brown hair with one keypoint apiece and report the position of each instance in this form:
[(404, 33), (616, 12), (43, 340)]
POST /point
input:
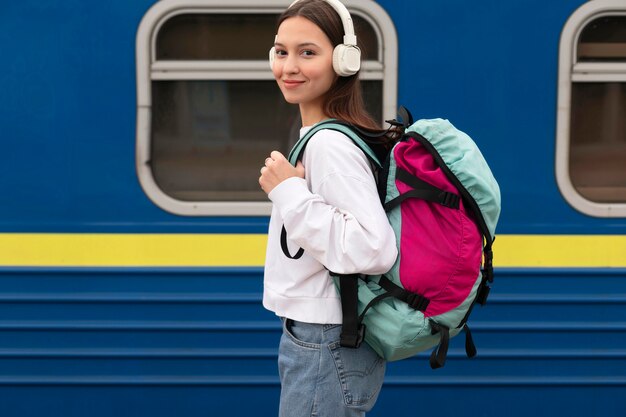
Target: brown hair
[(344, 99)]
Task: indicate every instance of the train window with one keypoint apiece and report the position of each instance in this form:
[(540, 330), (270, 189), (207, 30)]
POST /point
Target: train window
[(591, 123), (208, 109), (211, 153), (201, 36), (603, 40)]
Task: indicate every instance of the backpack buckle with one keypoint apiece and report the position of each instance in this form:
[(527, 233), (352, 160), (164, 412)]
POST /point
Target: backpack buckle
[(417, 302), (450, 200), (353, 340)]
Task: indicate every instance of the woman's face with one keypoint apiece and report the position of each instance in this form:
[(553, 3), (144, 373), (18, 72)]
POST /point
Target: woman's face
[(303, 65)]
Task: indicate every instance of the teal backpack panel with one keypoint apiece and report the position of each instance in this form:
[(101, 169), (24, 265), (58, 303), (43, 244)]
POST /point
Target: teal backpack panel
[(467, 163)]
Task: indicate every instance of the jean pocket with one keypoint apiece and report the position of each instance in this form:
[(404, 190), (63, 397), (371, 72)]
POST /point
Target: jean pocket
[(361, 372), (302, 334)]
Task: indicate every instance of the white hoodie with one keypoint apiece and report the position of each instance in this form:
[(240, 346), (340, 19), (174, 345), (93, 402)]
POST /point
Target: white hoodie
[(335, 215)]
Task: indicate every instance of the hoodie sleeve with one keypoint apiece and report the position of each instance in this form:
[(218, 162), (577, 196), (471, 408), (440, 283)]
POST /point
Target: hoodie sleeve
[(335, 214)]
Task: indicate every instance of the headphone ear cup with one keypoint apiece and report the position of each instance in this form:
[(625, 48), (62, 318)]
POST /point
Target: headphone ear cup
[(346, 60), (272, 55)]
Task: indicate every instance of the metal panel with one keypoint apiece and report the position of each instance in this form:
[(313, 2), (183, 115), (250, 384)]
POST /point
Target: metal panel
[(164, 342)]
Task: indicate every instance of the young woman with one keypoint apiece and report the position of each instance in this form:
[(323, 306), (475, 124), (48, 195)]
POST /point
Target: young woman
[(330, 207)]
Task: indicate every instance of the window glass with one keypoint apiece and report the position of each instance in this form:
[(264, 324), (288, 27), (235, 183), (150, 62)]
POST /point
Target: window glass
[(604, 39), (373, 97), (216, 36), (366, 38), (598, 141), (209, 138), (234, 37)]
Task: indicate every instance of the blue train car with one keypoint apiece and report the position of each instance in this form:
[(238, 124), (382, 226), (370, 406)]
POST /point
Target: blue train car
[(133, 230)]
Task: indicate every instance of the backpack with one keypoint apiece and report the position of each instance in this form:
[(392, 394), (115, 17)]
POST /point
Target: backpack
[(443, 203)]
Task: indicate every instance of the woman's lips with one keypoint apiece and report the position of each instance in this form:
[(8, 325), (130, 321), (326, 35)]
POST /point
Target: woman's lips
[(292, 83)]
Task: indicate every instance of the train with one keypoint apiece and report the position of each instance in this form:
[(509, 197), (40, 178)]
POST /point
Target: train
[(133, 230)]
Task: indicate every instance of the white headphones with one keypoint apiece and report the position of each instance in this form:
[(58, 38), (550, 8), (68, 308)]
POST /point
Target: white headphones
[(346, 56)]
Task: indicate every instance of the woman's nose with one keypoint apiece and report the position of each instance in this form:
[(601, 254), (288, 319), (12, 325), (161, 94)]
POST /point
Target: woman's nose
[(291, 64)]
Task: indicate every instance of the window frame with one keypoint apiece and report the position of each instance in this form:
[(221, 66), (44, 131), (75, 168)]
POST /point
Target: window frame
[(385, 69), (571, 71)]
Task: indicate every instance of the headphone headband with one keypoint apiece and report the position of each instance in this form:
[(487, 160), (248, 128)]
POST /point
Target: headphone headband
[(349, 37)]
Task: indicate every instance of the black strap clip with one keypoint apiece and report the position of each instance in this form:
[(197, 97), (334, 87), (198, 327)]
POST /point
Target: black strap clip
[(404, 120), (352, 329), (450, 200), (353, 340), (416, 301)]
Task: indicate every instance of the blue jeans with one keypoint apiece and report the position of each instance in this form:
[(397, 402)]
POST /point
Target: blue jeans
[(320, 378)]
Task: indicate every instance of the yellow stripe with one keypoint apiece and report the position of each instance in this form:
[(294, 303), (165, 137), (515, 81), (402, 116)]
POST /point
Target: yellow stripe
[(245, 250), (132, 250), (560, 251)]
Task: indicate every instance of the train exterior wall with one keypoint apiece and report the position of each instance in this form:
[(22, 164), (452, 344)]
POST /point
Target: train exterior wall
[(111, 306)]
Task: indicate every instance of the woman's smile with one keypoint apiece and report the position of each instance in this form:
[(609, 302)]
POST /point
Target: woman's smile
[(291, 84)]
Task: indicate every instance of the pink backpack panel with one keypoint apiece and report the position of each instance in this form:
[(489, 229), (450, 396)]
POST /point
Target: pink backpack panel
[(435, 240)]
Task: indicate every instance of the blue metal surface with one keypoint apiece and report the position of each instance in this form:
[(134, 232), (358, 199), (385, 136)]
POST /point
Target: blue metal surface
[(198, 342)]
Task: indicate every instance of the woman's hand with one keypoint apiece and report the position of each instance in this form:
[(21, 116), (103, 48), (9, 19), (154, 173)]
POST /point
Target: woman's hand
[(277, 169)]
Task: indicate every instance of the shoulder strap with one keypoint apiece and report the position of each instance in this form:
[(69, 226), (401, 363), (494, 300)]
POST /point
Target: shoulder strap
[(332, 124), (298, 150)]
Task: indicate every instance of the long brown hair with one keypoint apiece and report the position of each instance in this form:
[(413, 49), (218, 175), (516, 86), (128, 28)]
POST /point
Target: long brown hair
[(344, 99)]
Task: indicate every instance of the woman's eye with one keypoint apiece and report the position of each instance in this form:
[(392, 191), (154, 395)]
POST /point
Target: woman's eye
[(308, 53), (280, 52)]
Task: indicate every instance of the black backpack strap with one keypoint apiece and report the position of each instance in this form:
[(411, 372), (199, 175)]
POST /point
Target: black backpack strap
[(423, 190), (439, 355), (285, 248), (352, 330), (415, 301), (470, 347), (404, 120), (487, 275)]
